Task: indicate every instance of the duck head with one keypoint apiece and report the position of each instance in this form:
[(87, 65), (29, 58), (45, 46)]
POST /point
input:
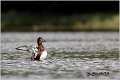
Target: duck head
[(40, 40)]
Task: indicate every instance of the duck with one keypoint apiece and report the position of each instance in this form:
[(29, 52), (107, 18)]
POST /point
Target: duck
[(42, 52), (38, 53)]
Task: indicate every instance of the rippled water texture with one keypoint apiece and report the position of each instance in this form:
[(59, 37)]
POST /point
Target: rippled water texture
[(71, 55)]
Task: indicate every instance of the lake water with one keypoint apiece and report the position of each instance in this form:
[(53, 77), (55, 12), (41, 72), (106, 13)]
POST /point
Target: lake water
[(71, 55)]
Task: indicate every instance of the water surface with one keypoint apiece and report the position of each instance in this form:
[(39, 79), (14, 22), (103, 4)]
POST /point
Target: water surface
[(71, 55)]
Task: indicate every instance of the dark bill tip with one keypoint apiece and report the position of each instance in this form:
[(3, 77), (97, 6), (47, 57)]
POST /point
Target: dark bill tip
[(44, 41)]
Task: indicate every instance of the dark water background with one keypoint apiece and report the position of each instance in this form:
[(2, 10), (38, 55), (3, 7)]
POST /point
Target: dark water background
[(71, 55)]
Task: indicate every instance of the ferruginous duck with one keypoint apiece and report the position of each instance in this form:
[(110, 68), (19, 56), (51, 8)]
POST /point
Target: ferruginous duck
[(38, 53), (42, 52)]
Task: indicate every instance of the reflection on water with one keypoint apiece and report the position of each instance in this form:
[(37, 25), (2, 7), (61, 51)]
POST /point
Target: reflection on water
[(71, 55)]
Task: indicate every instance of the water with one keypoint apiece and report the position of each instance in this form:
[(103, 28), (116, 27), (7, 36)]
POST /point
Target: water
[(71, 55)]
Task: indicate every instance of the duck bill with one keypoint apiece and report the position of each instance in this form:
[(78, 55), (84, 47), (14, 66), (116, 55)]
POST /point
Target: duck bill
[(44, 41)]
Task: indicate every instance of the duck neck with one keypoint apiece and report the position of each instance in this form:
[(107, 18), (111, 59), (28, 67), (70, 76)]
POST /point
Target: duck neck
[(41, 47)]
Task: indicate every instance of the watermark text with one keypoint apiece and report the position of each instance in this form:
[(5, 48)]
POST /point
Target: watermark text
[(98, 73)]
